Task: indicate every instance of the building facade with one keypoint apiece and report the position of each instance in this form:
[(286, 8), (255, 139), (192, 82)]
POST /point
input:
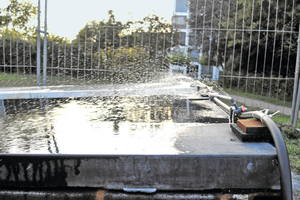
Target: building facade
[(187, 44)]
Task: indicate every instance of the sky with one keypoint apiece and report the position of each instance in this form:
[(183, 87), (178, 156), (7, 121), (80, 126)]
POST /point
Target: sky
[(67, 17)]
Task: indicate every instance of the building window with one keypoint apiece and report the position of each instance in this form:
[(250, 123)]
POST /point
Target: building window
[(192, 39), (181, 6), (182, 38), (179, 22)]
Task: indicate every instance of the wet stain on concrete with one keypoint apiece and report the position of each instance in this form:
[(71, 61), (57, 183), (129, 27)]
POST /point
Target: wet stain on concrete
[(77, 172), (24, 171)]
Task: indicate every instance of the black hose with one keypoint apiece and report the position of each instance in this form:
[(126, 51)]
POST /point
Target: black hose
[(282, 153)]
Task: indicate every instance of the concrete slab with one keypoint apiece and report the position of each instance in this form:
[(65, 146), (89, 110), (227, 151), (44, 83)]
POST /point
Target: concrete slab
[(174, 88), (183, 157), (165, 156)]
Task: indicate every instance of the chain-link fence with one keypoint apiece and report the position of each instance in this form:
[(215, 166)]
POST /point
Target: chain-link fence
[(249, 47)]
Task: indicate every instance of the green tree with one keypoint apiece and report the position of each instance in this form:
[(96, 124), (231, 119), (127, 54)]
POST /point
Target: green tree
[(204, 20), (224, 33), (249, 38), (112, 46), (18, 14)]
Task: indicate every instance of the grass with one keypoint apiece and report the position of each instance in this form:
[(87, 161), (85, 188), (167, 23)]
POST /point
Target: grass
[(292, 140), (21, 80), (259, 97), (25, 80)]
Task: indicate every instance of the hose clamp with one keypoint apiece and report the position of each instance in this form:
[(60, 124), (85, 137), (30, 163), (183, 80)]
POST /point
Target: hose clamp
[(261, 118)]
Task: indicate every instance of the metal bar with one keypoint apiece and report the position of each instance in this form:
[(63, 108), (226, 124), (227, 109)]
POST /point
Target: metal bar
[(24, 60), (234, 38), (65, 61), (249, 55), (211, 35), (127, 51), (10, 58), (78, 58), (58, 60), (203, 33), (92, 46), (245, 30), (148, 67), (280, 62), (178, 44), (17, 66), (91, 193), (273, 56), (17, 55), (38, 61), (297, 108), (257, 52), (266, 46), (226, 43), (45, 48), (196, 22), (156, 52), (241, 52), (30, 61), (71, 63), (120, 52), (264, 78), (296, 80), (99, 51), (113, 56), (164, 47), (218, 43), (52, 61), (133, 56), (141, 61), (3, 43), (289, 53), (84, 58), (105, 53)]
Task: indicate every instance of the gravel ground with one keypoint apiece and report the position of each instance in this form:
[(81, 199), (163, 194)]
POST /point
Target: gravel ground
[(296, 186)]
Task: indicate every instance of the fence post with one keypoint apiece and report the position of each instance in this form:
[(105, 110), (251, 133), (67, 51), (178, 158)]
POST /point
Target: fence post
[(2, 108), (38, 50), (295, 109), (45, 48)]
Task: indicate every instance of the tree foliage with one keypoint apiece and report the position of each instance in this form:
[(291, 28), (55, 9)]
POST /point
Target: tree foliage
[(18, 14), (248, 36), (106, 49)]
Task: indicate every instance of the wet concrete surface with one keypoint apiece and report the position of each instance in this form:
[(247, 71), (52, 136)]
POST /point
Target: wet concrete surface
[(141, 126), (296, 186), (29, 128), (140, 140)]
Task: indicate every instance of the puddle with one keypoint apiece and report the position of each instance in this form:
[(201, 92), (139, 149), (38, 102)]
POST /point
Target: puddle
[(82, 125)]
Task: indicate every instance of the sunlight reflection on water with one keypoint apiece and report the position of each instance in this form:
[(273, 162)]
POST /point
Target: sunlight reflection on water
[(93, 126)]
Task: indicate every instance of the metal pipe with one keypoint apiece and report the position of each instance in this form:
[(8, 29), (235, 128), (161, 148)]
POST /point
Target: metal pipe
[(91, 193), (221, 104), (38, 51), (296, 111), (282, 153), (45, 48), (296, 83)]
